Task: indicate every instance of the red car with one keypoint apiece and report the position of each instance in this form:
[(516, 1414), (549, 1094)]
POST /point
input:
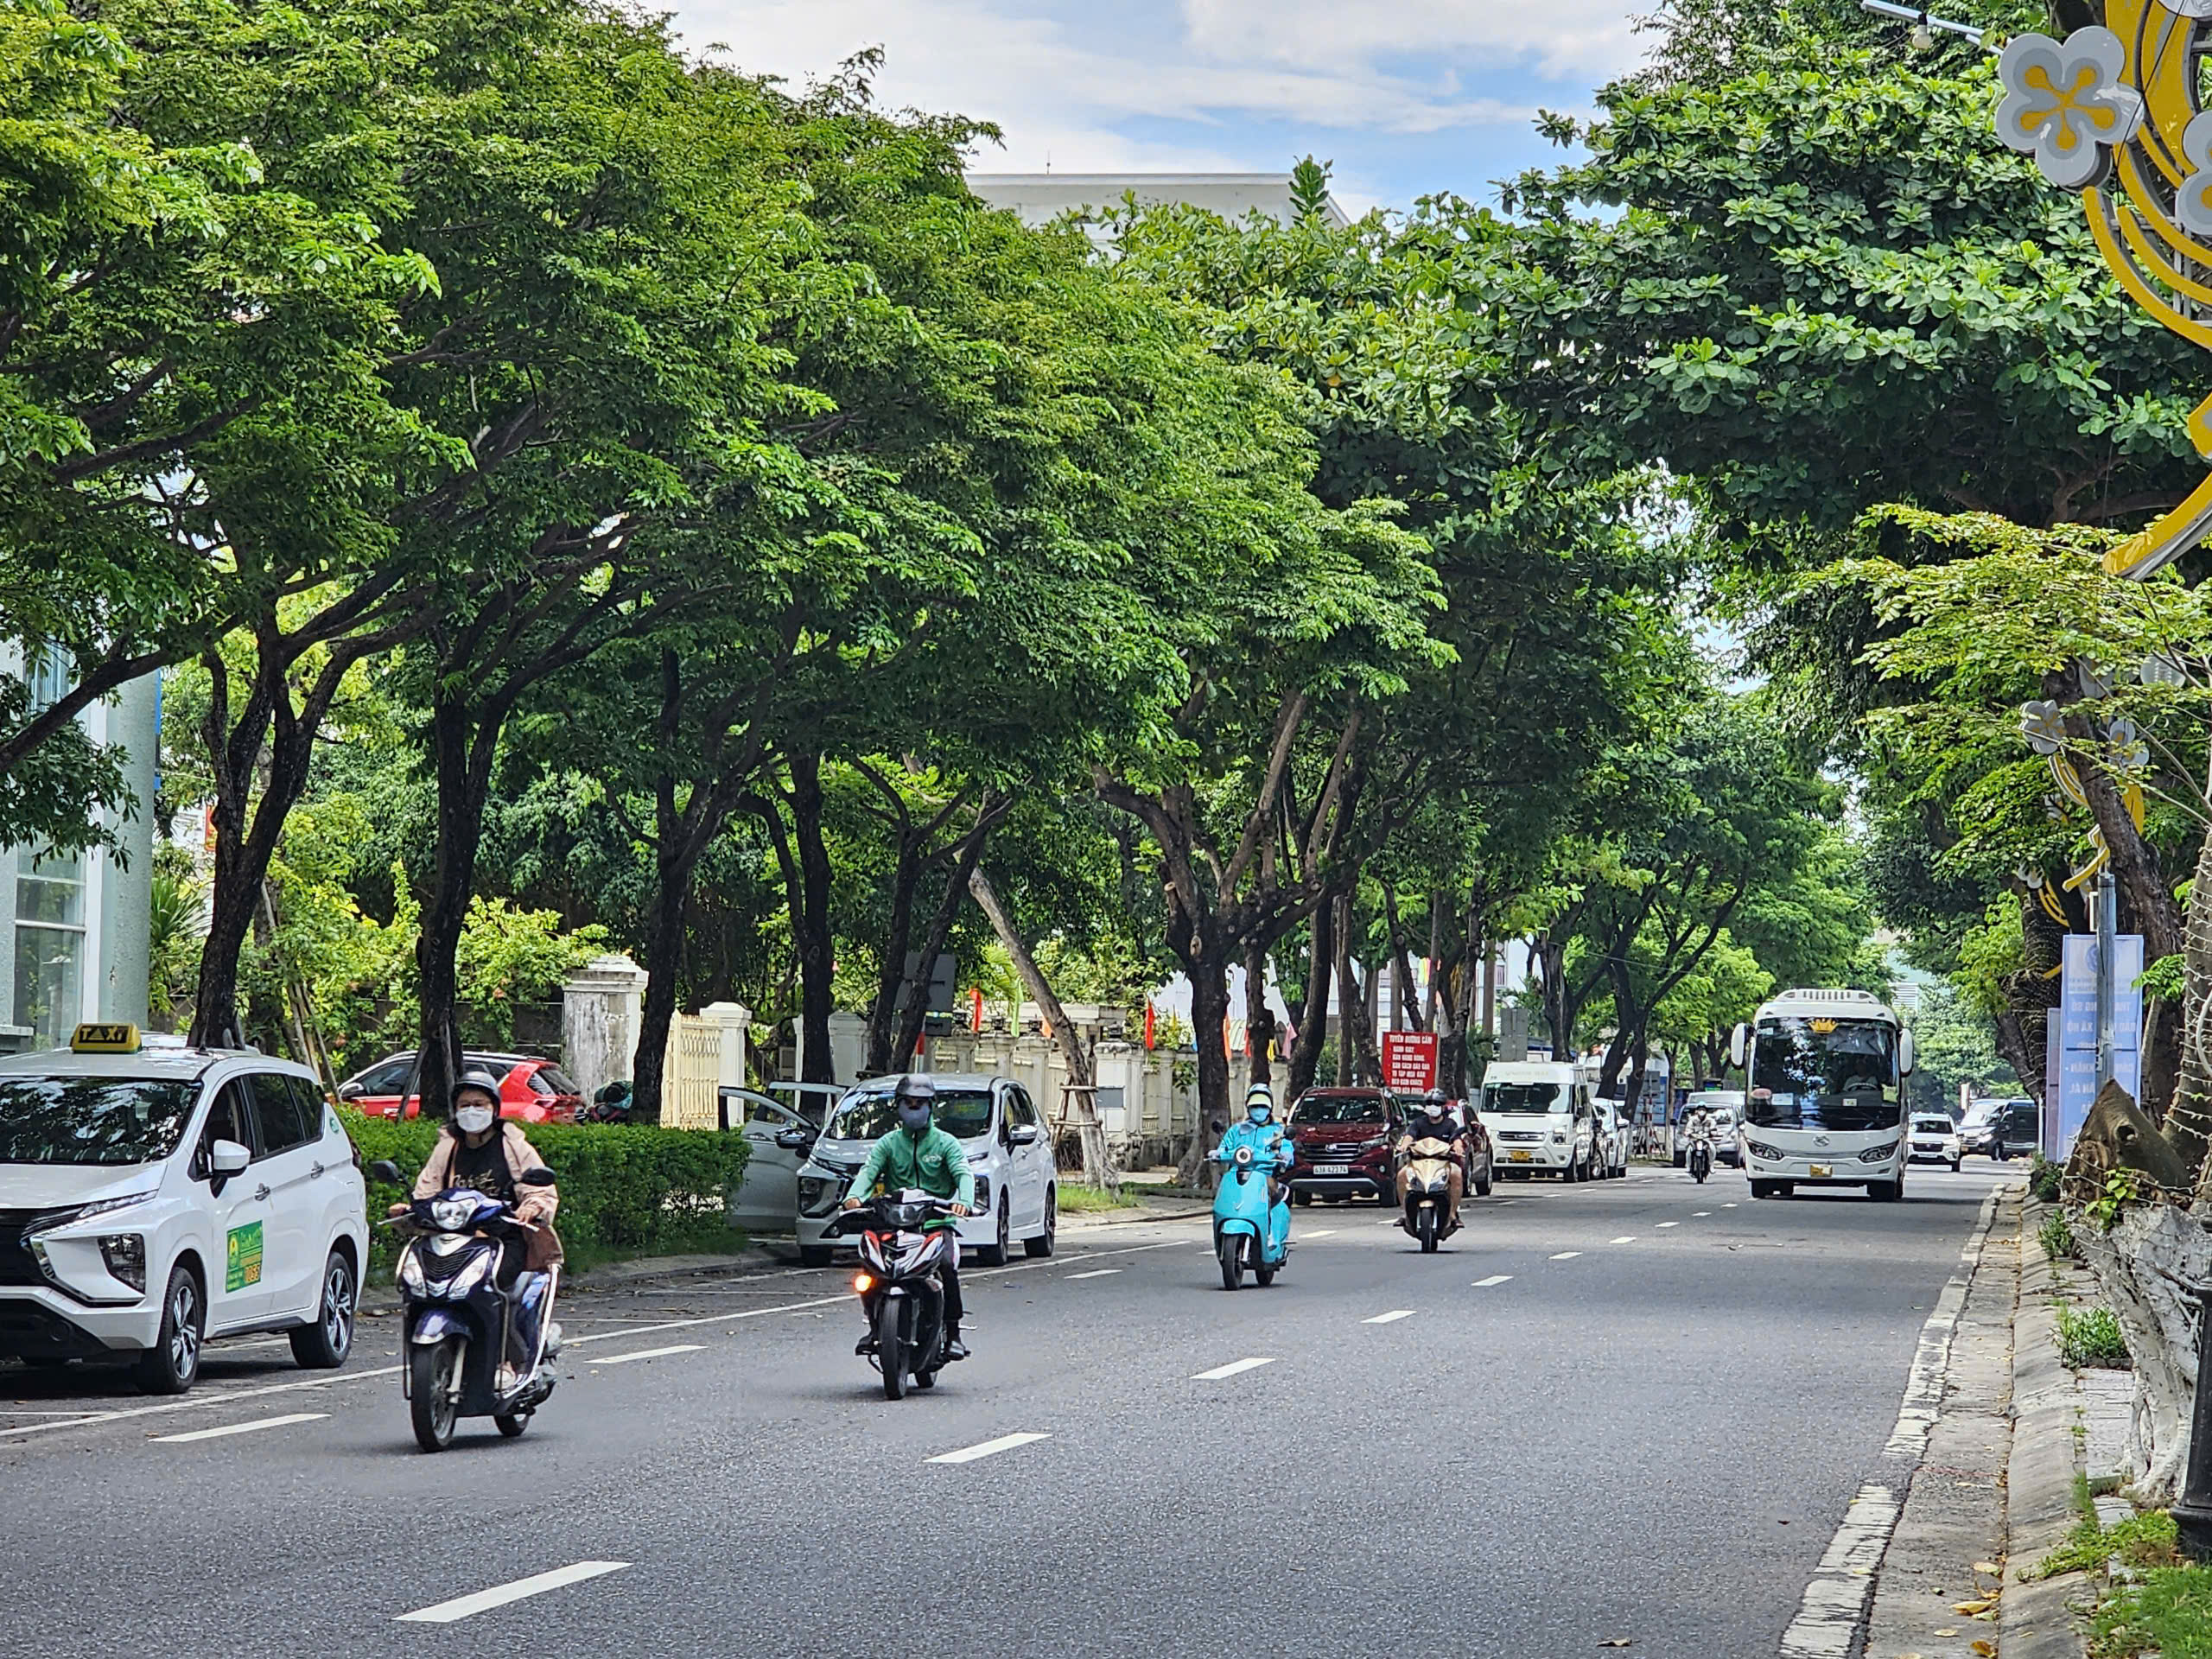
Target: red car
[(533, 1090), (1340, 1141)]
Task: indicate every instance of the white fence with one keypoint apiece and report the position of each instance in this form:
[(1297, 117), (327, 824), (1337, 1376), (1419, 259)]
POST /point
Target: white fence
[(1148, 1100)]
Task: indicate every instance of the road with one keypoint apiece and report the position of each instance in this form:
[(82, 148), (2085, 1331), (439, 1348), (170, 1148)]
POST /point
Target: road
[(1635, 1409)]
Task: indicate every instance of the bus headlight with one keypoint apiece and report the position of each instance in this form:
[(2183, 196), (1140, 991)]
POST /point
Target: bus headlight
[(1878, 1154), (1760, 1149)]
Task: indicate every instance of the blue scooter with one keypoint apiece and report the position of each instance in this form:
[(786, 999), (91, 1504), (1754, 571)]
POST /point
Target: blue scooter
[(1248, 1231)]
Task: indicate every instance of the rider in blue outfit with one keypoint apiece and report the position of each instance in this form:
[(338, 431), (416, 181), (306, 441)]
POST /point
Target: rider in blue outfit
[(1271, 1151)]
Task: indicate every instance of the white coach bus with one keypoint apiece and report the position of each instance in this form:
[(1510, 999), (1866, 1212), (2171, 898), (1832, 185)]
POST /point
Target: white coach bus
[(1824, 1094)]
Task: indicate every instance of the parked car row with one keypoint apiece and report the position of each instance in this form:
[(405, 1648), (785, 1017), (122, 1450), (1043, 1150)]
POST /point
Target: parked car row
[(532, 1090)]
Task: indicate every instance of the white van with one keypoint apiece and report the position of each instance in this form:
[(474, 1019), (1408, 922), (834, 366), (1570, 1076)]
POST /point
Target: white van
[(151, 1198), (1540, 1117)]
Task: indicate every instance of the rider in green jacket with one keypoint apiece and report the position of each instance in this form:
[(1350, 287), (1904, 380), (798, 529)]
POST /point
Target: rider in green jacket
[(918, 1155)]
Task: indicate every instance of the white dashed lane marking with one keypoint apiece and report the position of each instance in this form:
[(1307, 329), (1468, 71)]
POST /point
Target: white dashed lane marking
[(1626, 1238), (1391, 1317), (1670, 1223), (1566, 1256), (242, 1429), (987, 1449), (1495, 1279), (1095, 1273), (648, 1353), (1236, 1367), (445, 1613)]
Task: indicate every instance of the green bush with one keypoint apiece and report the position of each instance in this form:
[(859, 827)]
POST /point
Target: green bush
[(626, 1190), (2090, 1337), (2043, 1178), (2057, 1236)]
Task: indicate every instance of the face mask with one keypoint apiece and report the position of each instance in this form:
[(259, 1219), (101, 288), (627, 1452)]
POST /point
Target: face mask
[(1261, 1114), (474, 1118), (915, 1118)]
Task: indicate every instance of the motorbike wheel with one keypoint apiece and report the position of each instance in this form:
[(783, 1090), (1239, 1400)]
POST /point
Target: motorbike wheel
[(925, 1379), (1263, 1276), (891, 1351), (513, 1424), (1231, 1250), (434, 1379), (1429, 1230)]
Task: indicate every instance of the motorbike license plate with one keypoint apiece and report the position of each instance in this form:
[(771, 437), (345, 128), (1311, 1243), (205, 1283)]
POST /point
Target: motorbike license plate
[(1822, 1171), (1333, 1169), (1521, 1157)]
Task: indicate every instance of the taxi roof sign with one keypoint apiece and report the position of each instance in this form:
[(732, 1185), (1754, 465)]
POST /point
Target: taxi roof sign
[(118, 1038)]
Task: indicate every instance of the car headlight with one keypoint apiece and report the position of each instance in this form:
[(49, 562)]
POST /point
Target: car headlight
[(1559, 1137), (1379, 1140), (813, 1189), (125, 1256), (1760, 1149), (982, 1193)]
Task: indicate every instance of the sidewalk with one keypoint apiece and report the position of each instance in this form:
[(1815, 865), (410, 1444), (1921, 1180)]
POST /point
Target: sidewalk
[(1997, 1488)]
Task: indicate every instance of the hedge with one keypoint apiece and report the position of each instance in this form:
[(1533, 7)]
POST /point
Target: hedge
[(626, 1190)]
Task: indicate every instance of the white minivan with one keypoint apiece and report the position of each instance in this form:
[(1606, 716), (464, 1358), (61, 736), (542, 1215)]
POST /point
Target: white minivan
[(1017, 1186), (1540, 1117), (151, 1197)]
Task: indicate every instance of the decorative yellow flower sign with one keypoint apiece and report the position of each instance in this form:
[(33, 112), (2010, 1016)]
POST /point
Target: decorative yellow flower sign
[(2113, 112)]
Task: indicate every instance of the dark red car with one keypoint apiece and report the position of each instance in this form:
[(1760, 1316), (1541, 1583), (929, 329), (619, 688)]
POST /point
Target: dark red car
[(1340, 1141), (532, 1090)]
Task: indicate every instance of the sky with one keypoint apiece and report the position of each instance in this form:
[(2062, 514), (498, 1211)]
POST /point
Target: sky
[(1406, 96)]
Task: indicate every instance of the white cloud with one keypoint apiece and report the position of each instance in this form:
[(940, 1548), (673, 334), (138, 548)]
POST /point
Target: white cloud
[(1059, 98), (1588, 39)]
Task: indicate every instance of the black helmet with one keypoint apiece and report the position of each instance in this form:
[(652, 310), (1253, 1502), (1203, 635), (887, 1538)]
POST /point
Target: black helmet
[(913, 1098), (1435, 1103), (475, 1078)]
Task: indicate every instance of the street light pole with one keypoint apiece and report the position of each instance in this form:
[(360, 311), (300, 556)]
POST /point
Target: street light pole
[(2107, 947)]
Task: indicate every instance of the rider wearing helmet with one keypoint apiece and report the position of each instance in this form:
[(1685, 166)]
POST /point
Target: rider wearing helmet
[(1433, 1122), (475, 1149), (919, 1154), (1270, 1146)]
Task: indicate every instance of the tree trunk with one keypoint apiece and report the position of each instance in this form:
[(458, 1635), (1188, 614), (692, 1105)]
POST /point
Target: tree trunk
[(664, 954), (1351, 999), (1259, 1018), (1401, 967), (1209, 977), (884, 1019), (462, 767), (810, 925), (1313, 1023), (940, 929), (2144, 1269), (1098, 1167), (2189, 1122)]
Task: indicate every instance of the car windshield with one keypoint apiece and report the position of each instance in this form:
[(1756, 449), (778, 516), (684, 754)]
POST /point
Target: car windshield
[(1931, 1125), (93, 1119), (1824, 1073), (962, 1113), (1523, 1097), (1340, 1108)]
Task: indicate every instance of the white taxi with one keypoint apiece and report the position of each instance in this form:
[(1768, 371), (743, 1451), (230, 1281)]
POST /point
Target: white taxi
[(152, 1198)]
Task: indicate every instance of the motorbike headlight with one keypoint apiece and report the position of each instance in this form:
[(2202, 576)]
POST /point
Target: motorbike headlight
[(411, 1269), (473, 1273), (451, 1214)]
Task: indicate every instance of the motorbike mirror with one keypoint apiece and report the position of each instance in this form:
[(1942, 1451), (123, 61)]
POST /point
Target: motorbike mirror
[(386, 1170), (540, 1176)]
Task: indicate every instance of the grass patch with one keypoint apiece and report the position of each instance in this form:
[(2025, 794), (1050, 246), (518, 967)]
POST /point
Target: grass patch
[(2057, 1236), (2169, 1612), (1078, 1200), (2145, 1540), (2089, 1337)]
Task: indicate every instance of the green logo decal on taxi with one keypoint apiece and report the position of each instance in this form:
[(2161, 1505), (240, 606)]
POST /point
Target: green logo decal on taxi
[(242, 1257)]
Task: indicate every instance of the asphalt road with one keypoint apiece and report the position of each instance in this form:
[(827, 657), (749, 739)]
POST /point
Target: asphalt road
[(1634, 1409)]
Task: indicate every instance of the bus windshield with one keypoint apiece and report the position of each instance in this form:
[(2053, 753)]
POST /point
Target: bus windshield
[(1821, 1073)]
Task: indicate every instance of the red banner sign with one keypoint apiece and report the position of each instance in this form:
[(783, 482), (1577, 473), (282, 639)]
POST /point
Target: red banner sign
[(1409, 1061)]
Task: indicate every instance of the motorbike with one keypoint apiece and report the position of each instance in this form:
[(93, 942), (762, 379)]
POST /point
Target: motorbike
[(1248, 1229), (457, 1326), (900, 1286), (1428, 1192), (1700, 1159)]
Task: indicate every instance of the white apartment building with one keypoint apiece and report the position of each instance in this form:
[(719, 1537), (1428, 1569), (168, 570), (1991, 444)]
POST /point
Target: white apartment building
[(77, 924), (1039, 197)]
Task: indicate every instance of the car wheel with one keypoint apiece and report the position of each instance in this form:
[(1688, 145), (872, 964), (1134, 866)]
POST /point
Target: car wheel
[(323, 1346), (1956, 1162), (1303, 1200), (994, 1254), (172, 1364), (814, 1256), (1043, 1245), (1490, 1177)]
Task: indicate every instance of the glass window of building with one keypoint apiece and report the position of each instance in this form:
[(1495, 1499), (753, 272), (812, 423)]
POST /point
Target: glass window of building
[(49, 944)]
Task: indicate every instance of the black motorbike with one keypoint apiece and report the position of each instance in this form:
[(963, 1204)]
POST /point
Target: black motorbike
[(458, 1327), (901, 1288), (1700, 1159)]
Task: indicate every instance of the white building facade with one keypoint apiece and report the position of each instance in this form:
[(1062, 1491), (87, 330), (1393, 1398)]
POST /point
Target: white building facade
[(1039, 198), (79, 924)]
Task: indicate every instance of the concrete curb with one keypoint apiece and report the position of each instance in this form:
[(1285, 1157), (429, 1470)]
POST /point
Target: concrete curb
[(2036, 1618)]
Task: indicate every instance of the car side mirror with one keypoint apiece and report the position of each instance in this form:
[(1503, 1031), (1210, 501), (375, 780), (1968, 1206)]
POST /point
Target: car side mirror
[(1023, 1135), (350, 1091), (386, 1170), (228, 1158), (794, 1140), (540, 1176), (1904, 1054), (1739, 1042)]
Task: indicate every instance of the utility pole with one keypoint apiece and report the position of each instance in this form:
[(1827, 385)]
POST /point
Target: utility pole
[(2107, 904)]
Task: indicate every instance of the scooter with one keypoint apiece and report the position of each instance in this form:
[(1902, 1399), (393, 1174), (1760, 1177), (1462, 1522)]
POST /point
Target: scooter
[(1700, 1159), (900, 1286), (1428, 1192), (458, 1327), (1248, 1231)]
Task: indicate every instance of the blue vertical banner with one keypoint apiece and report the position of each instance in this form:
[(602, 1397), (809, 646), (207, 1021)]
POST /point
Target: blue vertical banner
[(2077, 1017)]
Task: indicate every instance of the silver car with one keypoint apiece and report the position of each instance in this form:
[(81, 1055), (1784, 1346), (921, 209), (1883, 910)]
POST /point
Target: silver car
[(1017, 1186)]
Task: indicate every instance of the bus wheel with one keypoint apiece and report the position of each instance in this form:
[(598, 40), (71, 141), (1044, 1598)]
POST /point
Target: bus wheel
[(1761, 1189)]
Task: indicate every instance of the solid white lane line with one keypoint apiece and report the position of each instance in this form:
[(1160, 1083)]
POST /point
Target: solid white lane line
[(1495, 1279), (1391, 1317), (1626, 1238), (483, 1601), (1566, 1256), (1234, 1367), (649, 1353), (242, 1429), (1095, 1273), (1670, 1223), (989, 1448)]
